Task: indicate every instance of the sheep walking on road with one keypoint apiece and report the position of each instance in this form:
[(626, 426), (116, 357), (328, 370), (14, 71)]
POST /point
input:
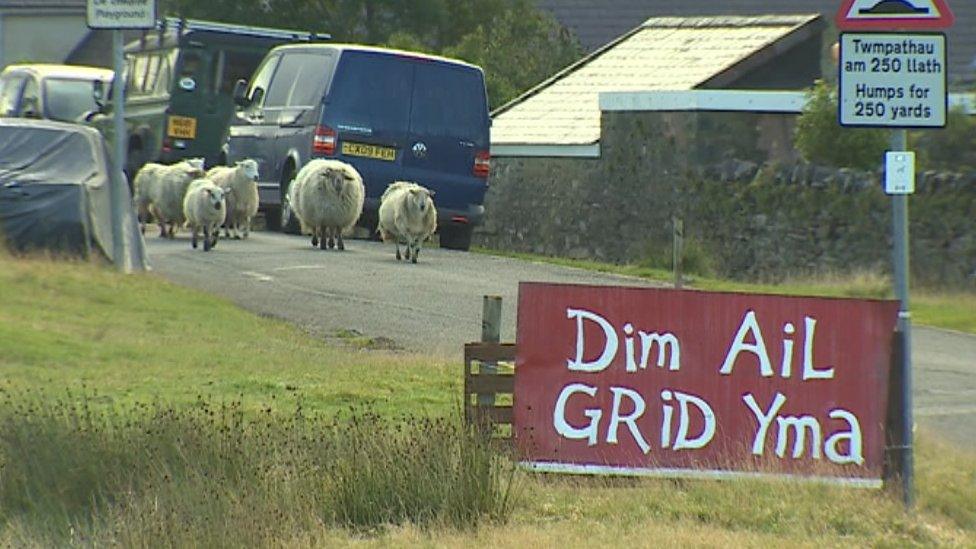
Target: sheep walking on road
[(145, 178), (327, 197), (242, 203), (160, 191), (407, 215), (205, 209)]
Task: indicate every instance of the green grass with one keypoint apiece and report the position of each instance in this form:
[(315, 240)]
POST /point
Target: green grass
[(954, 310), (165, 440), (138, 337)]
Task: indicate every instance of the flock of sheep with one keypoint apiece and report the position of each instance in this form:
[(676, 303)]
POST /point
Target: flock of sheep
[(326, 196)]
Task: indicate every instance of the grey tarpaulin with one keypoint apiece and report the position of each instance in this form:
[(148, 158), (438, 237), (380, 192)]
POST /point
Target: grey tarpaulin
[(54, 192)]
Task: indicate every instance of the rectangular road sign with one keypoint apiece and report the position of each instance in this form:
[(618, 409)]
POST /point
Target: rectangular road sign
[(893, 80), (121, 14), (899, 172)]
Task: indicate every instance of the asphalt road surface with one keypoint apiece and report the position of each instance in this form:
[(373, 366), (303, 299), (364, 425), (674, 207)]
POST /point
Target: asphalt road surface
[(435, 306)]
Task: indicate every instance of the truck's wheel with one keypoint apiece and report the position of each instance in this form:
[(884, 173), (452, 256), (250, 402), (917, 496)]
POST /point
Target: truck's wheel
[(456, 237)]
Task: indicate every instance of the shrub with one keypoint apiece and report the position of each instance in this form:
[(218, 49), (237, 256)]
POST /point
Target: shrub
[(822, 140)]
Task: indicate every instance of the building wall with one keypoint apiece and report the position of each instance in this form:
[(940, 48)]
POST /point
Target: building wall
[(39, 38), (746, 214)]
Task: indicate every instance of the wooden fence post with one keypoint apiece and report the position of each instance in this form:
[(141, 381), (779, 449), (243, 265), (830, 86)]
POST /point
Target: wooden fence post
[(491, 323)]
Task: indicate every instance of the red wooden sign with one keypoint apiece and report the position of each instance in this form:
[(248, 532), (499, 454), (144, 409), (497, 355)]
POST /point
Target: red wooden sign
[(652, 381)]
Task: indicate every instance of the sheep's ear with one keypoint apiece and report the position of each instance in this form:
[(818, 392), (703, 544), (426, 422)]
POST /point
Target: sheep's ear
[(209, 192), (431, 193)]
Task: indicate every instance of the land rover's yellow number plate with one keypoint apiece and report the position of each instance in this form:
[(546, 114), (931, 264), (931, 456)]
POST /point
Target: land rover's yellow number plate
[(182, 127), (369, 151)]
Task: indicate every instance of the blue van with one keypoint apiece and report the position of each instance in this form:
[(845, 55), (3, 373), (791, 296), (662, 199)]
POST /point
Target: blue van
[(394, 115)]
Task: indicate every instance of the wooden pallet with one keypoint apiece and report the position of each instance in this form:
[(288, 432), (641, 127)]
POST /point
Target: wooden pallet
[(480, 387)]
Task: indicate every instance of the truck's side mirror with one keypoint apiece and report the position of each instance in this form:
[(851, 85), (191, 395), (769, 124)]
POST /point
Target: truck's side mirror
[(240, 88)]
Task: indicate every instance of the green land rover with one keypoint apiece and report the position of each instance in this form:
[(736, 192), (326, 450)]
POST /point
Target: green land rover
[(180, 80)]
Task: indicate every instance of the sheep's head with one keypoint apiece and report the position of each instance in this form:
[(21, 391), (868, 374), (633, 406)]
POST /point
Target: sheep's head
[(216, 196), (335, 177), (420, 198), (250, 168)]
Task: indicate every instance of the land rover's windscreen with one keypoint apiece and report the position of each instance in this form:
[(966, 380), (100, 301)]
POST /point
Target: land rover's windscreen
[(446, 100), (68, 99)]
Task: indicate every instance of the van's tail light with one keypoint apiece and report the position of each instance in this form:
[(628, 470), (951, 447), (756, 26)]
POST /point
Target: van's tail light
[(482, 163), (324, 141)]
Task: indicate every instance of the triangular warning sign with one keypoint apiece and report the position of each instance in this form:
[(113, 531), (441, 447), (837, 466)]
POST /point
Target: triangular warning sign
[(894, 15)]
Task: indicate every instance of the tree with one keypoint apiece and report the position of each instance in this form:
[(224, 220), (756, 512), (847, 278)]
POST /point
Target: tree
[(517, 49), (822, 140), (517, 45)]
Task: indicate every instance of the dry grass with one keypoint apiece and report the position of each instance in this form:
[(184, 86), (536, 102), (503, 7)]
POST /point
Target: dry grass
[(176, 482)]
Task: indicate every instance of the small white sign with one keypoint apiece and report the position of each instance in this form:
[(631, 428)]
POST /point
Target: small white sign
[(121, 14), (899, 172), (892, 80)]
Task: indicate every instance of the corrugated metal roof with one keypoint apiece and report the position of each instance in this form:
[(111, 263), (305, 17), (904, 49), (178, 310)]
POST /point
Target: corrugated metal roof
[(664, 53)]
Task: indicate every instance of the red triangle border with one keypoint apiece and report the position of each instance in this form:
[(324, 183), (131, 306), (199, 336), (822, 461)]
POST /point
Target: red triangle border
[(945, 19)]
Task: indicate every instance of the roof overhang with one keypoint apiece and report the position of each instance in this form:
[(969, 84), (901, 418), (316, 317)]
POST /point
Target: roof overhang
[(704, 100), (589, 150)]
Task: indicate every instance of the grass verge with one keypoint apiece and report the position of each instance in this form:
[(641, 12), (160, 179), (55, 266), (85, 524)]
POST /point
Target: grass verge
[(954, 310), (201, 465)]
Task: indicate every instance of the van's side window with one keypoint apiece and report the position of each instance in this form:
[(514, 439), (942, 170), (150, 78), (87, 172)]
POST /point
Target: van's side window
[(299, 80), (258, 89), (10, 93)]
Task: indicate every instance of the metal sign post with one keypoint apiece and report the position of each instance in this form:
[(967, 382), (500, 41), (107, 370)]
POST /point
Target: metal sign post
[(117, 15), (896, 80), (899, 182)]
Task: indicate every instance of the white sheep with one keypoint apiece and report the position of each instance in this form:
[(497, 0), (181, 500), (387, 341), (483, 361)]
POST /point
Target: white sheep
[(140, 192), (205, 209), (327, 197), (407, 215), (242, 204), (164, 189)]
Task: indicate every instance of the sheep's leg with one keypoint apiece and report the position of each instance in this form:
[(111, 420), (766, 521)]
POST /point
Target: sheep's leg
[(216, 236), (397, 244), (315, 237), (207, 243), (247, 228), (323, 238), (341, 245), (193, 238)]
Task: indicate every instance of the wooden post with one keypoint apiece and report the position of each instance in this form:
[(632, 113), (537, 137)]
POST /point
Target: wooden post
[(678, 227), (491, 324)]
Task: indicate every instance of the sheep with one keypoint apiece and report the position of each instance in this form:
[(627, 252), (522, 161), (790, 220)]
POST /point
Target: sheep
[(327, 197), (140, 192), (407, 214), (164, 188), (242, 204), (204, 208)]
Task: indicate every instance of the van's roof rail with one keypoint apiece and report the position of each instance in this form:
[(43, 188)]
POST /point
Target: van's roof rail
[(191, 25)]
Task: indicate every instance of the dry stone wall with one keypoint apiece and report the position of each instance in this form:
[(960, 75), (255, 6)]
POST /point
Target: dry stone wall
[(745, 216)]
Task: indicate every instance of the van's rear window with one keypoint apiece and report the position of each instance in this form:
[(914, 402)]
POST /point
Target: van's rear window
[(395, 93)]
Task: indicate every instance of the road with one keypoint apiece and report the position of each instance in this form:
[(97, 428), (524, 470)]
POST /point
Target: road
[(434, 306)]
